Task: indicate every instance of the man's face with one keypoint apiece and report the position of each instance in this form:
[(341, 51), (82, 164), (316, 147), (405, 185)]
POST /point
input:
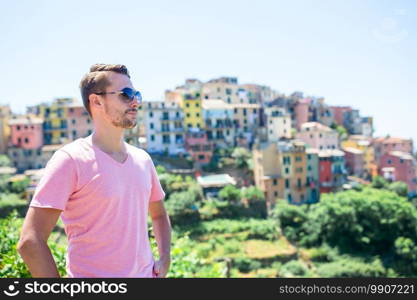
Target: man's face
[(120, 113)]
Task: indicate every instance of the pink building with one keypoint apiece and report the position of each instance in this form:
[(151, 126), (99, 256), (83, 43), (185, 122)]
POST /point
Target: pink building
[(385, 145), (339, 112), (399, 166), (26, 132), (79, 122), (301, 112), (355, 161), (198, 146), (318, 136)]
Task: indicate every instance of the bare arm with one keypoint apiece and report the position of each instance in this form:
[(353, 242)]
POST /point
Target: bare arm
[(162, 231), (32, 245)]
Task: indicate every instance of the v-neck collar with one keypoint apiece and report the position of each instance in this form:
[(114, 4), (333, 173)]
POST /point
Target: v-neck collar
[(89, 140)]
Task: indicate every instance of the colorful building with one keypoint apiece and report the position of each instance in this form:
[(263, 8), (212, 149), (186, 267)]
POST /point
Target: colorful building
[(278, 124), (364, 144), (332, 170), (55, 116), (399, 166), (355, 161), (26, 132), (198, 146), (218, 119), (79, 123), (385, 145), (246, 119), (280, 171), (313, 175), (318, 136), (164, 127)]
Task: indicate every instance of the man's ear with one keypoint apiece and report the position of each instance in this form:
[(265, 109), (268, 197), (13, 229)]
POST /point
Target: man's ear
[(95, 100)]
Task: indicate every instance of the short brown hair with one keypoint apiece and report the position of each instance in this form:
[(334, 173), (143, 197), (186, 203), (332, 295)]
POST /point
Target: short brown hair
[(96, 81)]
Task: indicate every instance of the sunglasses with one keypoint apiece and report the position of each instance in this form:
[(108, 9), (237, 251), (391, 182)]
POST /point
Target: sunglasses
[(127, 94)]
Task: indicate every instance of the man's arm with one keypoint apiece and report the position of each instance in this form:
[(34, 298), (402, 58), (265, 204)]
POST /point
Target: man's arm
[(162, 232), (32, 245)]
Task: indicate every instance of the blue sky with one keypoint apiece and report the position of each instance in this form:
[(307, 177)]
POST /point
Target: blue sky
[(361, 53)]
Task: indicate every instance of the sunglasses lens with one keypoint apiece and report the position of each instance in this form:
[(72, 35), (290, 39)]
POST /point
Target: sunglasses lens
[(130, 94)]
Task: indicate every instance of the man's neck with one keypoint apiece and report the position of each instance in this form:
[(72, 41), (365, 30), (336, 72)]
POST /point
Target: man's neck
[(109, 140)]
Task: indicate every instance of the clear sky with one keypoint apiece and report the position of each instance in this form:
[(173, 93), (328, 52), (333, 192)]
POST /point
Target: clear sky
[(361, 53)]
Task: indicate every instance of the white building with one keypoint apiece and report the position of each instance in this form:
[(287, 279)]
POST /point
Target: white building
[(164, 127), (218, 121), (278, 124)]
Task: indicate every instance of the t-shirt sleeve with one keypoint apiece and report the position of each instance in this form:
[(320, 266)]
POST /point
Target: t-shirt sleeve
[(157, 193), (57, 183)]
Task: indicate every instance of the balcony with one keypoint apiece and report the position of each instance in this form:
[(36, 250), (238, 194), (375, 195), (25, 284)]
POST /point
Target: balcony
[(164, 119)]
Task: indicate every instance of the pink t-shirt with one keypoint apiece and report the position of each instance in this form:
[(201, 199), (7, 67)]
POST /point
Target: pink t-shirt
[(105, 208)]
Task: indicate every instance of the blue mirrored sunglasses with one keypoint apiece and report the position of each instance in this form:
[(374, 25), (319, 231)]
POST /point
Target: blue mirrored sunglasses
[(127, 94)]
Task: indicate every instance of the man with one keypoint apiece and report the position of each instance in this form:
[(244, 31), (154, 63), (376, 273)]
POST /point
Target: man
[(104, 189)]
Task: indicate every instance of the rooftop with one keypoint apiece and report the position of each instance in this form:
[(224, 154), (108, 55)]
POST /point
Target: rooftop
[(215, 180), (315, 125)]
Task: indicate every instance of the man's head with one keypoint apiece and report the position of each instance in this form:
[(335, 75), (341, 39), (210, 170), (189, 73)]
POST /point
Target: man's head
[(101, 90)]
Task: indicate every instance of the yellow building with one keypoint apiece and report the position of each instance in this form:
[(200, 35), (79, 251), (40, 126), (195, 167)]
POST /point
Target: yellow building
[(364, 144), (280, 171), (191, 105), (55, 117)]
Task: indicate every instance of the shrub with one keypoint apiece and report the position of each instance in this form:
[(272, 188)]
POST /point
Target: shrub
[(245, 265), (11, 264), (349, 267), (294, 268)]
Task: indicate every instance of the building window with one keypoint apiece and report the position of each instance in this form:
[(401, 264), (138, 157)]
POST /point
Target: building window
[(187, 105), (74, 134), (197, 105), (26, 127), (287, 183), (389, 161), (299, 182), (26, 141), (32, 127), (152, 138), (201, 157), (197, 115), (275, 182), (298, 158), (18, 127), (166, 139), (188, 115), (151, 125), (88, 121), (150, 114), (244, 111), (287, 171), (276, 194), (19, 140), (73, 121), (90, 131)]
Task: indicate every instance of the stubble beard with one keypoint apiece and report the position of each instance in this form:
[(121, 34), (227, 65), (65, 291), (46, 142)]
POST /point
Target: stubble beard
[(122, 120)]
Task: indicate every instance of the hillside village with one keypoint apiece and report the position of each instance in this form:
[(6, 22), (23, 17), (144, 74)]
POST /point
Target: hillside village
[(296, 147)]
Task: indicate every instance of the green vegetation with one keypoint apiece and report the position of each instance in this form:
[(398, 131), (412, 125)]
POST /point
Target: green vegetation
[(365, 232)]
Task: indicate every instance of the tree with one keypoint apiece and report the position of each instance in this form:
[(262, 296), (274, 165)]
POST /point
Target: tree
[(379, 182), (242, 157), (255, 201), (399, 187), (5, 161), (230, 194), (367, 222), (182, 208)]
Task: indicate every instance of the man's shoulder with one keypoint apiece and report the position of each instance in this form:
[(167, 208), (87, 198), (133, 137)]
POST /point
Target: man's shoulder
[(77, 148)]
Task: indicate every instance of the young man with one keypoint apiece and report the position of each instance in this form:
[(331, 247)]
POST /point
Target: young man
[(104, 189)]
